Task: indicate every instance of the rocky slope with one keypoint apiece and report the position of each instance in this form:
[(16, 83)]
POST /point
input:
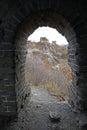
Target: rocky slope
[(52, 54)]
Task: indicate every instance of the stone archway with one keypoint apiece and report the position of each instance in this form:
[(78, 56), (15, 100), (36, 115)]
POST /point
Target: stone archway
[(35, 20), (12, 14)]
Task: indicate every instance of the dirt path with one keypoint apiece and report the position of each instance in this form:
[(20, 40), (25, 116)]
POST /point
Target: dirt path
[(41, 95), (44, 113), (43, 110)]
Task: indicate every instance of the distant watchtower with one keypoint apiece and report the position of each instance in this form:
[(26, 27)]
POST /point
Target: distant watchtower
[(44, 40), (53, 42)]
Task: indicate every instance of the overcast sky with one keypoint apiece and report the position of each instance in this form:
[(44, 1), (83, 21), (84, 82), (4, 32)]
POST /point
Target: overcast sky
[(50, 33)]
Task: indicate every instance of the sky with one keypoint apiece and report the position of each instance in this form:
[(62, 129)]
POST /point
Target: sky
[(50, 33)]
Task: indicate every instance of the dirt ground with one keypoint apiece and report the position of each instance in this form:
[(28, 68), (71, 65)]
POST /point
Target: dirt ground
[(45, 113)]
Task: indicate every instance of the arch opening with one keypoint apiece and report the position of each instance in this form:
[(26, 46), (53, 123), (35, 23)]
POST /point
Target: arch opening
[(27, 27), (47, 64)]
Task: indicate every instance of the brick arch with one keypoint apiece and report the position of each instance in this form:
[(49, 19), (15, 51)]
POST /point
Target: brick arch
[(14, 13), (52, 19)]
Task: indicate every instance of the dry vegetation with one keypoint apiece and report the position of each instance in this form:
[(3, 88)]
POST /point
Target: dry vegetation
[(38, 72)]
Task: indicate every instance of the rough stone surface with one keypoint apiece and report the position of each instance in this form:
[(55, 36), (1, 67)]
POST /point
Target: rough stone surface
[(18, 19), (82, 120), (35, 115), (54, 117)]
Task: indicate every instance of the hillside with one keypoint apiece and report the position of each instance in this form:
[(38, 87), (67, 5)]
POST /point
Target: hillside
[(47, 66), (52, 54)]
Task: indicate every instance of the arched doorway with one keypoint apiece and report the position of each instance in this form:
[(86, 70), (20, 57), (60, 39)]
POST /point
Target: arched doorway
[(34, 21), (47, 64)]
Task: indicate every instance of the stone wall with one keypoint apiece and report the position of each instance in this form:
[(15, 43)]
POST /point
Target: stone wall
[(22, 88), (18, 19)]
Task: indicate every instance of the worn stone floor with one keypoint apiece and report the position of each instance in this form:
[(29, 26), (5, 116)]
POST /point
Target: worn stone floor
[(44, 113)]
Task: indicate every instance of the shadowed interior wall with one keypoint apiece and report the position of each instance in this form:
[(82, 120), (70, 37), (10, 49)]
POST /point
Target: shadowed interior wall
[(14, 14)]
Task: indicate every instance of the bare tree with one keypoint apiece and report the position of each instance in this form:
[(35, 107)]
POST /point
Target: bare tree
[(35, 70)]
